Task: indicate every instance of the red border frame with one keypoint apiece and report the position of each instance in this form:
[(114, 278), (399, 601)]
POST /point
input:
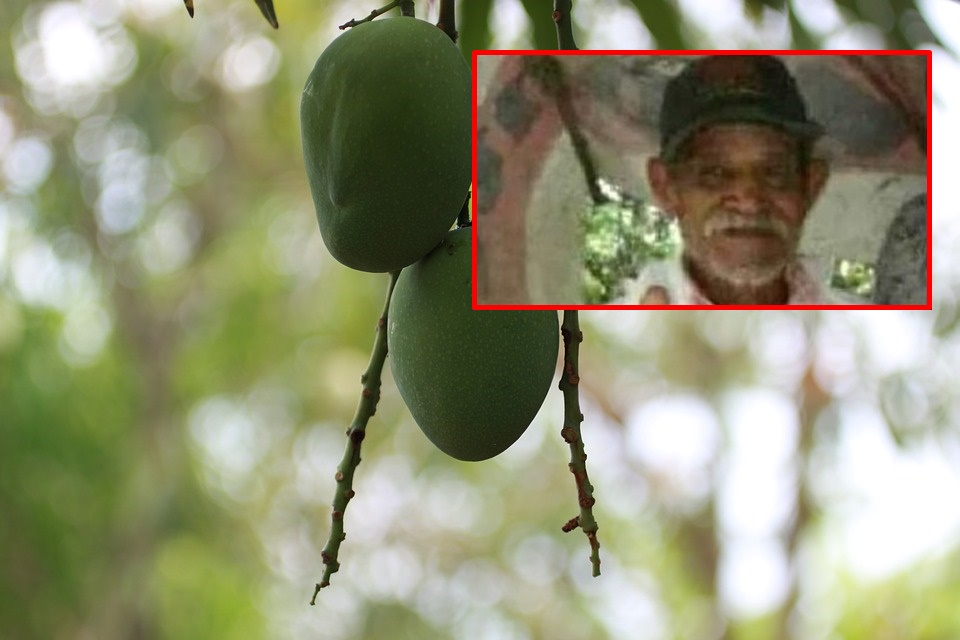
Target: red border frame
[(787, 52)]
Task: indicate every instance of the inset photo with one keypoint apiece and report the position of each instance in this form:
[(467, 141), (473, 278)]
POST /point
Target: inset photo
[(743, 179)]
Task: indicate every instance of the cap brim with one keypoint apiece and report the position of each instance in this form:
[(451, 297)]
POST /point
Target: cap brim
[(806, 130)]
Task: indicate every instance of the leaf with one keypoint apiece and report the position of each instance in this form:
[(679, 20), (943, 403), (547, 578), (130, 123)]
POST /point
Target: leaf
[(754, 8), (474, 26), (544, 32), (663, 20), (799, 34), (910, 27), (266, 8)]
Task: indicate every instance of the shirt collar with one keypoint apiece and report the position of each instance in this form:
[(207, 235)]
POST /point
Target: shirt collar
[(804, 287)]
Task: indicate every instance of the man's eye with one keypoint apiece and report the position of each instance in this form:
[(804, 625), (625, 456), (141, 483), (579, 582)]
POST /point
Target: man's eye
[(778, 175), (713, 173)]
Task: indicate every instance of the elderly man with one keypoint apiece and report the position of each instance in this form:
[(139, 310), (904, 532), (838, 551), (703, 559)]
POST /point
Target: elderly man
[(736, 170)]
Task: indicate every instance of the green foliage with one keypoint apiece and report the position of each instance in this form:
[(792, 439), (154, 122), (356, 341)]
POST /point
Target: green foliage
[(200, 593), (472, 380), (755, 8), (663, 19), (900, 22), (619, 237), (386, 137), (544, 34), (853, 276), (916, 604), (800, 34), (474, 28)]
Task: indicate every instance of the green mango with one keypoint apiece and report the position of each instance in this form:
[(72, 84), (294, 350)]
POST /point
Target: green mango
[(386, 126), (472, 379)]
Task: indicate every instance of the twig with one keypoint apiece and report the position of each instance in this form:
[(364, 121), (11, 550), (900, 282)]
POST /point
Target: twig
[(373, 14), (406, 8), (572, 417), (561, 18), (448, 20), (367, 406), (549, 74)]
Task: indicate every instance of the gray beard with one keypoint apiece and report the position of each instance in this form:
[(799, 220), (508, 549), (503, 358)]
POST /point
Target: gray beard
[(746, 277)]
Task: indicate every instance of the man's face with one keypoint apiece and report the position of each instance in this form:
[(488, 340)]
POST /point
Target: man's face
[(740, 197)]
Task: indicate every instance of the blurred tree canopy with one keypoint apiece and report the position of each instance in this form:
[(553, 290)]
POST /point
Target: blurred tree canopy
[(179, 358), (897, 24)]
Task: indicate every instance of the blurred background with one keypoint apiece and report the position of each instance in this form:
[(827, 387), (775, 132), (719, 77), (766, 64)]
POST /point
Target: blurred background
[(180, 357)]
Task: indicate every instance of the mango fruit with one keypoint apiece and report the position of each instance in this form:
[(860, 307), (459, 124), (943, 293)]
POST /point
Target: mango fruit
[(472, 379), (385, 123)]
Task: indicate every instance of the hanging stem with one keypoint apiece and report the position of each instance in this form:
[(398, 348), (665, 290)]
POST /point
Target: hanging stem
[(369, 396), (448, 19), (561, 18), (572, 337), (572, 417)]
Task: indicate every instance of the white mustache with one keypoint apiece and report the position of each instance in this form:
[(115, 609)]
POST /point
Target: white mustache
[(722, 222)]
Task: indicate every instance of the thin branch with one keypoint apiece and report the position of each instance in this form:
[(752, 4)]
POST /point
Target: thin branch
[(367, 406), (548, 72), (561, 17), (373, 14), (572, 417), (448, 19)]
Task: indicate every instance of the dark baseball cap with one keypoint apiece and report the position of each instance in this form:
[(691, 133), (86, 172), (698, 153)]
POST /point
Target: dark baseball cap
[(732, 88)]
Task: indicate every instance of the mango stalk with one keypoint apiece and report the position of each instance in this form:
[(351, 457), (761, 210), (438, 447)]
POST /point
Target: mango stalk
[(369, 397)]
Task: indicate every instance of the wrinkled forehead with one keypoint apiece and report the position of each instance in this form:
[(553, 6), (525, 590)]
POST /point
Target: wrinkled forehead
[(740, 141)]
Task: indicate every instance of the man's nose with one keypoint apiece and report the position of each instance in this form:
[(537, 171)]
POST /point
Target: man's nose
[(747, 193)]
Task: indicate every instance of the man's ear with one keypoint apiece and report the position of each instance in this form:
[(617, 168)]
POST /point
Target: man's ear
[(661, 185), (817, 173)]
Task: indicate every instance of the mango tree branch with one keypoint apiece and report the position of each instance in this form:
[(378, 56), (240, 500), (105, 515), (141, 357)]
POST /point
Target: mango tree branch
[(572, 417), (367, 406)]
